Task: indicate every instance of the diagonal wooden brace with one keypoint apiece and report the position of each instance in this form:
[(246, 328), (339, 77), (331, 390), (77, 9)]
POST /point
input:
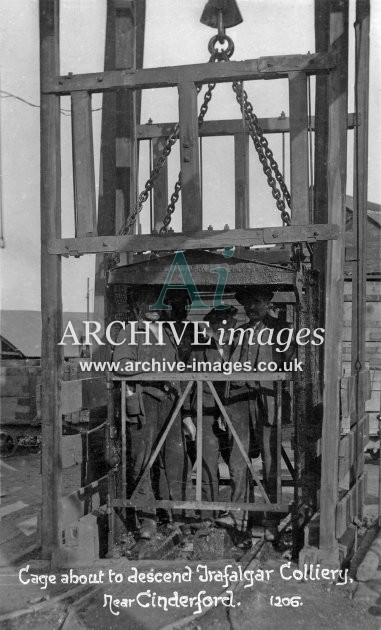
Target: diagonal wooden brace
[(239, 443)]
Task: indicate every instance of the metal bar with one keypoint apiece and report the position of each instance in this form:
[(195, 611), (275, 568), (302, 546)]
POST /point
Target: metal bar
[(199, 442), (123, 435), (51, 294), (162, 439), (203, 239), (100, 426), (205, 505), (202, 376), (234, 433), (189, 156), (83, 164), (299, 147), (230, 127), (110, 476), (250, 69), (278, 393)]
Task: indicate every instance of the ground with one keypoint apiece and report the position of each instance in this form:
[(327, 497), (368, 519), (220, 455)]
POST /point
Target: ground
[(321, 604)]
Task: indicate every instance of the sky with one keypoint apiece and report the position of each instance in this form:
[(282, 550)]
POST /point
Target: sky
[(174, 36)]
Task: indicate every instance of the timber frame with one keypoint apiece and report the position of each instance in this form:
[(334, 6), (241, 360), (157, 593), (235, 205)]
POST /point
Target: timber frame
[(326, 231)]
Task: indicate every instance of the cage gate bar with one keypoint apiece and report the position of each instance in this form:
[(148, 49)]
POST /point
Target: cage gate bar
[(198, 503)]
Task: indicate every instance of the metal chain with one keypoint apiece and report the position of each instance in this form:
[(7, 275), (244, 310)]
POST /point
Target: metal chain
[(175, 195), (151, 180), (148, 186), (264, 152), (265, 155)]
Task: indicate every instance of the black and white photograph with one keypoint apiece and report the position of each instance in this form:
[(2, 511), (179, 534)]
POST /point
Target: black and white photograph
[(190, 314)]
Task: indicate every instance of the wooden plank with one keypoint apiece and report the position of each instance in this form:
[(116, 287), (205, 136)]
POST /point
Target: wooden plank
[(205, 505), (160, 190), (351, 446), (299, 148), (83, 164), (250, 69), (202, 376), (229, 127), (360, 189), (203, 273), (190, 161), (51, 297), (345, 510), (241, 176), (334, 289), (200, 240)]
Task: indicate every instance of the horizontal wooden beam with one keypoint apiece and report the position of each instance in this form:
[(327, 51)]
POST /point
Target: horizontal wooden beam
[(231, 127), (205, 505), (207, 376), (250, 69), (204, 239)]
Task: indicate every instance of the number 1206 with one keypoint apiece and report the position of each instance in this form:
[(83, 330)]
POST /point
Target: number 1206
[(295, 601)]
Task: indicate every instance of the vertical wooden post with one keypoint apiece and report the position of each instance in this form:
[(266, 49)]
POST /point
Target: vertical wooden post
[(121, 109), (83, 164), (337, 93), (199, 442), (278, 407), (299, 147), (360, 203), (160, 191), (241, 169), (189, 155), (51, 297), (360, 187)]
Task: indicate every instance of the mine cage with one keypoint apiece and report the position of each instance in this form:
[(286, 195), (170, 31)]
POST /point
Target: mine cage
[(304, 258), (287, 301)]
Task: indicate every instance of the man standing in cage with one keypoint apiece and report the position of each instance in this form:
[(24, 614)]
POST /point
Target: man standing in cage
[(214, 430), (148, 407), (251, 407)]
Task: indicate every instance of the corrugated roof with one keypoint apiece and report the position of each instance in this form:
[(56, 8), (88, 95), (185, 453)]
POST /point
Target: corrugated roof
[(23, 330)]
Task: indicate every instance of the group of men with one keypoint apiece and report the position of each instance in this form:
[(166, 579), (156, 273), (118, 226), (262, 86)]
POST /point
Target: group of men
[(250, 405)]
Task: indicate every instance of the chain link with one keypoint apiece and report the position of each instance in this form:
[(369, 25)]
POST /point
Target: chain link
[(265, 155), (148, 186)]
